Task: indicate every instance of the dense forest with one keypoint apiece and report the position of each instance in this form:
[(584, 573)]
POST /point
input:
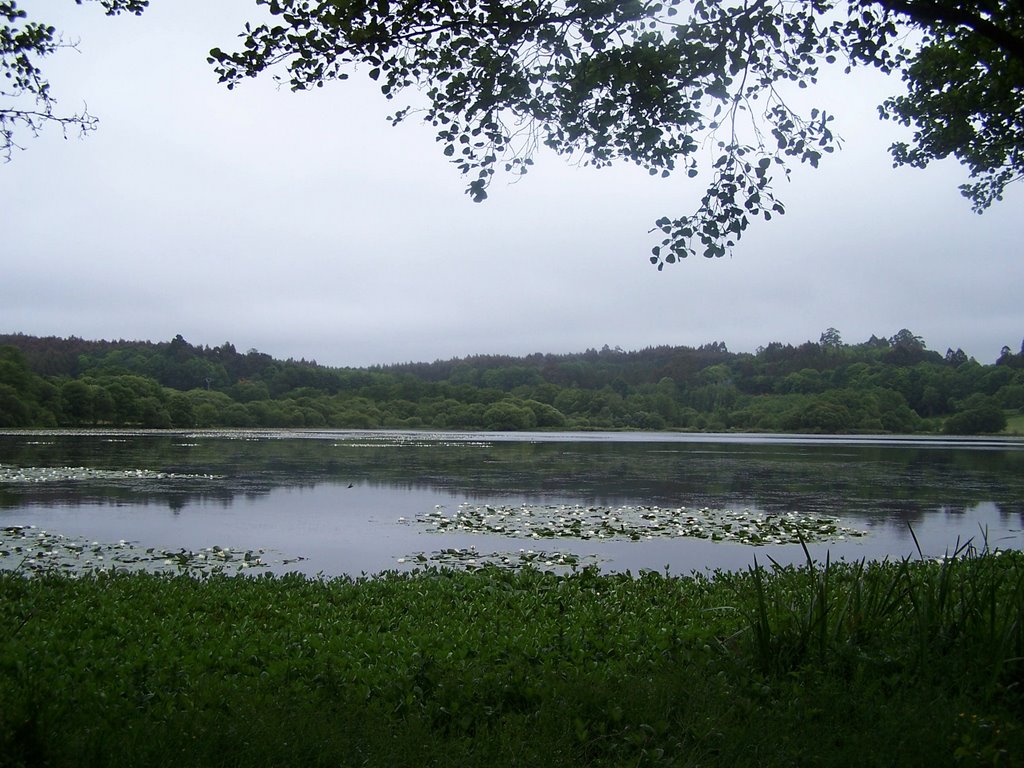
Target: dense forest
[(883, 385)]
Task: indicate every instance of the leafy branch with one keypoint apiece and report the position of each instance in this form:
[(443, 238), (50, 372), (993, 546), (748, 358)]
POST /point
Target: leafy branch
[(26, 101)]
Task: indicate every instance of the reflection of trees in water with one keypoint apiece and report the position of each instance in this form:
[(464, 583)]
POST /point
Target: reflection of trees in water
[(91, 494), (878, 484), (1010, 509)]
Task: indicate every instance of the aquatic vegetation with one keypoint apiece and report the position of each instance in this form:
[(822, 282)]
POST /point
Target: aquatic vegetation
[(471, 559), (596, 523), (27, 549), (12, 475), (636, 523)]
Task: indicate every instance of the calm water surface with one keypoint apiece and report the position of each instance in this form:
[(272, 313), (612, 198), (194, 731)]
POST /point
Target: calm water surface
[(345, 500)]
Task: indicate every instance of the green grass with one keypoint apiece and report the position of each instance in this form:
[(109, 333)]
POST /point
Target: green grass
[(1014, 424), (865, 664)]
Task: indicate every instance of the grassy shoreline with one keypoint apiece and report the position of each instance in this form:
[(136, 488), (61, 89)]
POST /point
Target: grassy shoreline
[(907, 663)]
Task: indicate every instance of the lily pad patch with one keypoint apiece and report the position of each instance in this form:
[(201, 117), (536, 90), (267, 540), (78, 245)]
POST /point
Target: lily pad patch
[(25, 548), (471, 559), (636, 523), (12, 475)]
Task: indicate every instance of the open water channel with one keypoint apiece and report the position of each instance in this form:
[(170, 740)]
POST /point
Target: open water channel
[(351, 502)]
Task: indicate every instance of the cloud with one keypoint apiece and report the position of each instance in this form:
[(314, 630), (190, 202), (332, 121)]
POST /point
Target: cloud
[(304, 225)]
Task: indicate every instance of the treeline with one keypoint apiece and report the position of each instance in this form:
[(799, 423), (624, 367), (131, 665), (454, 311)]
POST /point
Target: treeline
[(883, 385)]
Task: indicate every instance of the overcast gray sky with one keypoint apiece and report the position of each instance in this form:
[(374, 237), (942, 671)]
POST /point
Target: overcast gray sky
[(304, 225)]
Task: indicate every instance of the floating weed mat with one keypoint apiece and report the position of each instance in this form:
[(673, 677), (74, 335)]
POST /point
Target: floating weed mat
[(471, 559), (11, 475), (636, 523), (25, 548)]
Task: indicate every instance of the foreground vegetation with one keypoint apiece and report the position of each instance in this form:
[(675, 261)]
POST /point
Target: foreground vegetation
[(908, 663)]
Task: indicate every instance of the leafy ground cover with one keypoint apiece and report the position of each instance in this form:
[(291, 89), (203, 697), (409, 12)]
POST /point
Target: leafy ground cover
[(893, 663)]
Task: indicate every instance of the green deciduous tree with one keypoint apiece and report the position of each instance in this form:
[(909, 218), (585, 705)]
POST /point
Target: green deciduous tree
[(654, 82), (77, 402), (509, 415), (14, 412), (980, 415), (180, 410), (26, 101), (965, 92)]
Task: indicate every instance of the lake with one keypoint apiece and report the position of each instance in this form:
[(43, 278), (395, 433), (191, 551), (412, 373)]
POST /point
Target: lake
[(353, 502)]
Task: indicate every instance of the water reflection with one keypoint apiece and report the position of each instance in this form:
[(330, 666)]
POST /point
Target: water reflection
[(336, 496)]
